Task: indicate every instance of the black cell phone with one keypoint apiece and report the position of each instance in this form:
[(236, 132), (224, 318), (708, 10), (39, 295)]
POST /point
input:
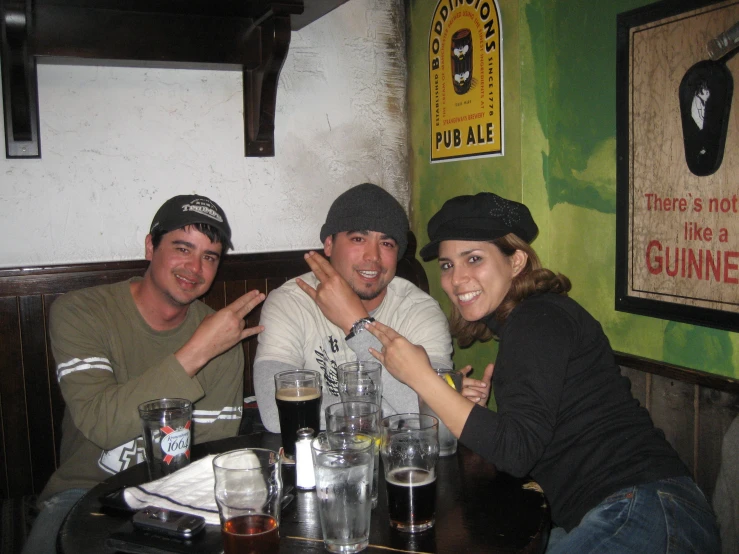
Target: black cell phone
[(168, 522)]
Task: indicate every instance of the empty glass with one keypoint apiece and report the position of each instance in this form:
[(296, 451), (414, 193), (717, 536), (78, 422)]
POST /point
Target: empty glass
[(361, 382)]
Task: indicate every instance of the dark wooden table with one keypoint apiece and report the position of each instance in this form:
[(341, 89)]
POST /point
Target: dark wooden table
[(478, 510)]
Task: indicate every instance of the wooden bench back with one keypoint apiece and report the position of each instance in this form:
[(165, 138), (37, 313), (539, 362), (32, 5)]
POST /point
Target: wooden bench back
[(693, 408), (31, 404)]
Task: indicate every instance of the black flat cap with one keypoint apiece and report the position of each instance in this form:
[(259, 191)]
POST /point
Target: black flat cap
[(484, 216)]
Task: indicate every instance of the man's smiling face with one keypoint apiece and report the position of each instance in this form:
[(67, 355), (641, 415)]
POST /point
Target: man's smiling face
[(366, 260), (183, 266)]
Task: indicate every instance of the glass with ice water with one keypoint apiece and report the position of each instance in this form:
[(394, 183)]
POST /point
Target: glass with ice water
[(343, 469), (357, 417), (447, 441)]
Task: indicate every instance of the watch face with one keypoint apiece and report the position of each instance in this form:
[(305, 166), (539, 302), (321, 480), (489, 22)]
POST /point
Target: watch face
[(361, 325)]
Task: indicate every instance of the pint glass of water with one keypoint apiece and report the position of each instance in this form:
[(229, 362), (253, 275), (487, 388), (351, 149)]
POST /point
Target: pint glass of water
[(343, 468)]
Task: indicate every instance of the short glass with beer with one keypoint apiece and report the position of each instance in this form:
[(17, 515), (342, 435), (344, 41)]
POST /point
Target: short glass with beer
[(248, 491), (409, 450), (298, 399)]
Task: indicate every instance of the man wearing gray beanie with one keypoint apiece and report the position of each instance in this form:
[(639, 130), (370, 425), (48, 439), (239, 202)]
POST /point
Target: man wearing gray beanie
[(317, 321)]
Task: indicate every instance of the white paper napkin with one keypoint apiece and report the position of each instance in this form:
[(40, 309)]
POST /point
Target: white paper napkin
[(188, 490)]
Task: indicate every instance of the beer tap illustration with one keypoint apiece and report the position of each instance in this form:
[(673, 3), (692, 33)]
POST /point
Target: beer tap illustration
[(705, 94)]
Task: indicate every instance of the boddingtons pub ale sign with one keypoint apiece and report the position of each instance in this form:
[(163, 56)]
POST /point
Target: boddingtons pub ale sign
[(466, 80)]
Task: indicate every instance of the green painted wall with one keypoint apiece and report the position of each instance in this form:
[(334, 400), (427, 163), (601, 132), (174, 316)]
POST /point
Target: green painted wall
[(560, 159)]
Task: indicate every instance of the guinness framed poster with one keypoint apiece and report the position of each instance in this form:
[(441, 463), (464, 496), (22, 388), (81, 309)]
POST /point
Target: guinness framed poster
[(466, 80), (677, 213)]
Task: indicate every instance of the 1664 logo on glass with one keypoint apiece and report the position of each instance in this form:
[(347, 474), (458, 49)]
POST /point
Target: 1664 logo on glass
[(175, 442)]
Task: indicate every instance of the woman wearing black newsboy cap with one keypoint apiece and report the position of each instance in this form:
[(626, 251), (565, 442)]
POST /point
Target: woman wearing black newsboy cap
[(565, 414)]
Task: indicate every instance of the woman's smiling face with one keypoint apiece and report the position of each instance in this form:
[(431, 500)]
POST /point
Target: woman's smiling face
[(476, 275)]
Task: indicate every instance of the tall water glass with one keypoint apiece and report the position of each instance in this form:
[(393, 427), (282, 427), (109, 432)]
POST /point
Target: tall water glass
[(298, 399), (360, 382), (410, 449), (447, 441), (343, 469), (357, 417), (248, 491)]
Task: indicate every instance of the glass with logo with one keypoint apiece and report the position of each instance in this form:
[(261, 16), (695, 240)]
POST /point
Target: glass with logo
[(167, 424)]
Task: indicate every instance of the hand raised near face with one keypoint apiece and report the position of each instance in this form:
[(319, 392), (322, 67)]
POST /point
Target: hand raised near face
[(333, 295), (218, 332), (406, 361)]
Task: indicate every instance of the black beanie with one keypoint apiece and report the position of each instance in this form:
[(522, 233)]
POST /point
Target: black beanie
[(367, 207)]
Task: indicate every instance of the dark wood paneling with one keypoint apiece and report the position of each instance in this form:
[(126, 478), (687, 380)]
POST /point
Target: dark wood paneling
[(15, 431), (55, 393), (638, 384), (672, 410), (717, 410), (684, 374), (694, 419), (31, 404), (37, 389), (693, 408)]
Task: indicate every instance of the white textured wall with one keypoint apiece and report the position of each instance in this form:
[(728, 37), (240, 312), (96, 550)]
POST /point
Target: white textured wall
[(117, 142)]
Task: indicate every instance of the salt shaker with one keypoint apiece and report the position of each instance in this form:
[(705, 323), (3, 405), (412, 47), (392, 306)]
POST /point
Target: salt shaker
[(305, 479)]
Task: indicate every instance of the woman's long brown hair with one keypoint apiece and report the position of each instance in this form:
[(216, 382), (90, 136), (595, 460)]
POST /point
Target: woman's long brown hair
[(533, 279)]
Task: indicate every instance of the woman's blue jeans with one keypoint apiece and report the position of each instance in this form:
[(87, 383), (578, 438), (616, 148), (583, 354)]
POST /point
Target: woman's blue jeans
[(666, 516), (42, 539)]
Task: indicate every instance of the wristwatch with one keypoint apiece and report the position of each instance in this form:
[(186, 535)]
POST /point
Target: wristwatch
[(359, 326)]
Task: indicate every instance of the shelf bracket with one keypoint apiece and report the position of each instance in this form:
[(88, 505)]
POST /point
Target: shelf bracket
[(20, 89), (251, 36), (260, 88)]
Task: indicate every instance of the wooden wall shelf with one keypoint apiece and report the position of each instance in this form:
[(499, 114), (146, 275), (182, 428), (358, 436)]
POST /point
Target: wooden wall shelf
[(251, 36)]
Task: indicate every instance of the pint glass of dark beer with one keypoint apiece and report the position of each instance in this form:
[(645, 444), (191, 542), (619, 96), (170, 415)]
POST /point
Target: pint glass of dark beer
[(248, 492), (409, 450), (298, 398)]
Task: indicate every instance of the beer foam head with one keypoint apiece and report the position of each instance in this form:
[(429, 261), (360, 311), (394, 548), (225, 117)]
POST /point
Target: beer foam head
[(299, 394)]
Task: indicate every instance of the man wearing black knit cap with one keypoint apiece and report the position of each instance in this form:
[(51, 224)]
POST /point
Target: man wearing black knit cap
[(318, 320)]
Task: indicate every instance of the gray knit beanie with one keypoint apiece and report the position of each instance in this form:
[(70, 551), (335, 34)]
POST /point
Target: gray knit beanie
[(367, 207)]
